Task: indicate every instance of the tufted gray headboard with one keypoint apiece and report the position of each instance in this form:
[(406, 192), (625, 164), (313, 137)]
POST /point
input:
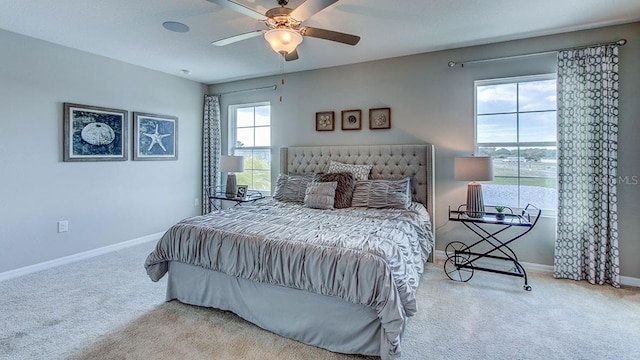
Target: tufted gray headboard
[(389, 162)]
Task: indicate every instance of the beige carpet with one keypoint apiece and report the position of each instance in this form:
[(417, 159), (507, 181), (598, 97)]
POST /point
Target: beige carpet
[(177, 331), (107, 308)]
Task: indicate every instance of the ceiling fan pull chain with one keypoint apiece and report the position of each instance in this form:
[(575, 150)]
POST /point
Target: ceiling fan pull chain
[(282, 59)]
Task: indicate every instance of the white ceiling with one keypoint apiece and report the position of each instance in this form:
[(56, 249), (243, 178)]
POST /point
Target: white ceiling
[(132, 31)]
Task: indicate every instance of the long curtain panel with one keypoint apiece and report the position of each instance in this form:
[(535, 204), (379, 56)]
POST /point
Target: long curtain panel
[(211, 143), (587, 230)]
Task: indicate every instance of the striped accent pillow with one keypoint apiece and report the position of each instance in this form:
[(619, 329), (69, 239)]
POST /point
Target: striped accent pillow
[(360, 172), (320, 195), (382, 194), (344, 191), (292, 187)]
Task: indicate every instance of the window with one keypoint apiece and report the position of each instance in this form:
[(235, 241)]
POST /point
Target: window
[(516, 125), (250, 136)]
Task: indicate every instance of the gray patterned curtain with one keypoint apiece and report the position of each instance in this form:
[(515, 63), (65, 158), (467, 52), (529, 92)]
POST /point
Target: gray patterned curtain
[(211, 143), (587, 232)]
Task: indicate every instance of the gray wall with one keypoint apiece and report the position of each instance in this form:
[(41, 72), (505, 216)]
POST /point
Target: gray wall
[(105, 202), (431, 102)]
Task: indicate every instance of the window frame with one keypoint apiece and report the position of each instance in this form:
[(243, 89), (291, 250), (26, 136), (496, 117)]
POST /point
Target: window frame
[(517, 144), (232, 139)]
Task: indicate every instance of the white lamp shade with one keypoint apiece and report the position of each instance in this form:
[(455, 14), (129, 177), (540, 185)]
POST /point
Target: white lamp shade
[(474, 168), (230, 163), (283, 41)]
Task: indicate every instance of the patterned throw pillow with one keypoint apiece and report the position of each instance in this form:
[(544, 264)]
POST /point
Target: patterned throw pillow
[(382, 194), (361, 172), (344, 191), (292, 187), (320, 195)]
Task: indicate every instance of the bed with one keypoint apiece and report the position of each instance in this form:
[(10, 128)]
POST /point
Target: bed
[(342, 279)]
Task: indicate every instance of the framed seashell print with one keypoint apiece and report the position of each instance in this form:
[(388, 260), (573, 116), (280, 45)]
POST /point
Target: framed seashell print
[(155, 137), (351, 119), (380, 118), (92, 133), (325, 121)]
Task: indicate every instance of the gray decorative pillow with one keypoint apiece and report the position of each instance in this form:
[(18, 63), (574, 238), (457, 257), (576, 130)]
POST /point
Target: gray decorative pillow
[(291, 187), (320, 195), (360, 172), (382, 194)]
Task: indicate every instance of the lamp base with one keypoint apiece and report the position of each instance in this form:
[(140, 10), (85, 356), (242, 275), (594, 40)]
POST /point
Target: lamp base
[(231, 185), (475, 203)]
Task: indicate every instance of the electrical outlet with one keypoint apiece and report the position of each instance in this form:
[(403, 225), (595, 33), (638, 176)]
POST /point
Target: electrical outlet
[(196, 202), (63, 226)]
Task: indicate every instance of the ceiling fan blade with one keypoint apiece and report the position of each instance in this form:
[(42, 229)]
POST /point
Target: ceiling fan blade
[(310, 7), (236, 38), (330, 35), (291, 56), (240, 8)]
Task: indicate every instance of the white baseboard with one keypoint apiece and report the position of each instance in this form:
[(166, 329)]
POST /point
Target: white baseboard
[(629, 281), (548, 269), (77, 257)]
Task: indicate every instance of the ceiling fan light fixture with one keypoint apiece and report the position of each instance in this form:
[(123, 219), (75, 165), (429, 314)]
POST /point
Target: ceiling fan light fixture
[(283, 40)]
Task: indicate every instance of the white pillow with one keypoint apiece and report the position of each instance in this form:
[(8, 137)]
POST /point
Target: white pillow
[(360, 172), (320, 195)]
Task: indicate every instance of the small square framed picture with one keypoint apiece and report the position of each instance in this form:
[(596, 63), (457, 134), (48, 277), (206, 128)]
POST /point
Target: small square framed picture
[(241, 191), (351, 119), (325, 121), (380, 118)]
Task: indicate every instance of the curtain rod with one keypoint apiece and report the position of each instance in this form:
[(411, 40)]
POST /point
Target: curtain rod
[(452, 64), (272, 87)]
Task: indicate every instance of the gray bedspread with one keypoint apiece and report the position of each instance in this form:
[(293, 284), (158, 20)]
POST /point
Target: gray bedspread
[(364, 256)]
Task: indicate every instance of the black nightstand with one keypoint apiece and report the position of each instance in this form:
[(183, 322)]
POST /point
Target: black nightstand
[(488, 226), (216, 193)]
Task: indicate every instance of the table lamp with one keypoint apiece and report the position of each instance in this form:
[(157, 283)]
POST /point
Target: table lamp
[(231, 165), (474, 169)]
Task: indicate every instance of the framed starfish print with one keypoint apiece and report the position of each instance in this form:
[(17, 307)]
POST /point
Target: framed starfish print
[(155, 137)]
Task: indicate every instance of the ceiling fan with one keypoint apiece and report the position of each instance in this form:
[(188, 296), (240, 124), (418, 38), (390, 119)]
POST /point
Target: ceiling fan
[(284, 32)]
